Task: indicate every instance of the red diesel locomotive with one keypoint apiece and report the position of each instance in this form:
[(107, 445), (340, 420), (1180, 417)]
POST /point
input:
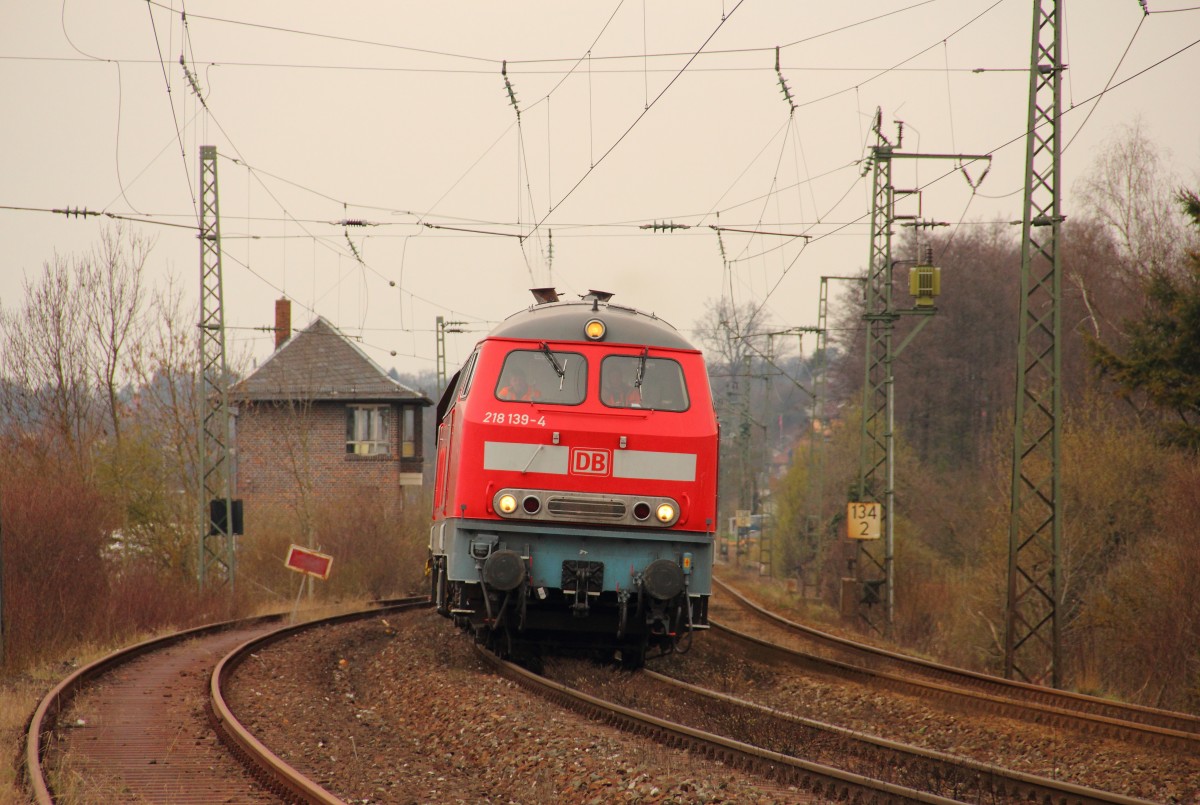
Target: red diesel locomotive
[(576, 493)]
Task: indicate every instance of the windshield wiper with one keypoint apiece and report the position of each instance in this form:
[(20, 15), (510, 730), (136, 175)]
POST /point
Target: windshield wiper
[(560, 371), (641, 370)]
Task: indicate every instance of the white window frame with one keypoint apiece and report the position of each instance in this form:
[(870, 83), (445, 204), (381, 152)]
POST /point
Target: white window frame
[(367, 430)]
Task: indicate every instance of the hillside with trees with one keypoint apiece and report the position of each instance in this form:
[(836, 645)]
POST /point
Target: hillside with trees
[(1131, 384)]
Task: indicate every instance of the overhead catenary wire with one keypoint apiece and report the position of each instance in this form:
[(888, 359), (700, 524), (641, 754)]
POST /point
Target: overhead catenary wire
[(786, 269), (644, 56), (774, 193), (1021, 137), (636, 120), (328, 244), (798, 41), (174, 117), (483, 71), (974, 185), (84, 212)]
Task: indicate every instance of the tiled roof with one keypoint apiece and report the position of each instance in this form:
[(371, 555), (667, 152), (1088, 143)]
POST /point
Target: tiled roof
[(320, 363)]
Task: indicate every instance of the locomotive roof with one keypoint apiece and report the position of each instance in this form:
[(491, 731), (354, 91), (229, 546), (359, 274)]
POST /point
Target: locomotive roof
[(564, 321)]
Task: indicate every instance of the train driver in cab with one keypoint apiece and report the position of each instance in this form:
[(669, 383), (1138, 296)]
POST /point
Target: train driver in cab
[(517, 387), (616, 389)]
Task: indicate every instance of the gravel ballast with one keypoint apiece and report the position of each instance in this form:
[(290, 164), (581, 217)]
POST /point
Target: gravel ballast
[(400, 710)]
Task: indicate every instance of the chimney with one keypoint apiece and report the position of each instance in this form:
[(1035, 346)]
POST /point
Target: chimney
[(283, 322)]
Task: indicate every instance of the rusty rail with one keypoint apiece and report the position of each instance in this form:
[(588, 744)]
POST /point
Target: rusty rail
[(819, 780), (1129, 722), (44, 721), (250, 750), (963, 777)]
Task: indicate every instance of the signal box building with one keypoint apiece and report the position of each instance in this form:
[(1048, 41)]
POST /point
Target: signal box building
[(320, 419)]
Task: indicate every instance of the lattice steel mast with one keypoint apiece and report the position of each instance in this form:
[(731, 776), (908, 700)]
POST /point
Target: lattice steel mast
[(444, 327), (874, 458), (876, 482), (217, 546), (1032, 634)]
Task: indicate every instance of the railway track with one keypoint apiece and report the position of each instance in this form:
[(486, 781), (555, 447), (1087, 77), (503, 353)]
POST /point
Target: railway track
[(822, 760), (937, 773), (149, 723), (824, 783), (837, 764), (1088, 714)]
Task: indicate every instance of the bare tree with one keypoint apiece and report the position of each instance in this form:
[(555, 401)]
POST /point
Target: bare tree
[(731, 334), (49, 390), (110, 288), (66, 349), (734, 340), (161, 437), (1132, 192)]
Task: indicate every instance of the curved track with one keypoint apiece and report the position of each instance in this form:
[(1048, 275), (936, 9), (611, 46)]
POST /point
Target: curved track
[(1089, 714), (137, 724), (821, 781), (265, 762), (922, 769)]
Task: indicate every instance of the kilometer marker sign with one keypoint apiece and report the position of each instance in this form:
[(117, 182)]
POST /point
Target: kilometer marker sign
[(310, 562), (863, 519)]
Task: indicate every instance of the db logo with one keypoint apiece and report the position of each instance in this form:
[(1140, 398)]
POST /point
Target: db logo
[(590, 462)]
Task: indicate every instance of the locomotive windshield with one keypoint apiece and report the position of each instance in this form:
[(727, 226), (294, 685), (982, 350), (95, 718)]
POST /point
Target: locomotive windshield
[(543, 376), (637, 381)]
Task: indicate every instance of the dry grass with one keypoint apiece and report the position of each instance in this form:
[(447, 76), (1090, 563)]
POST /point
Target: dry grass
[(19, 696), (773, 594)]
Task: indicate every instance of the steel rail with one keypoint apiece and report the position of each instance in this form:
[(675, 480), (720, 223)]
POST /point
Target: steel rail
[(984, 782), (1159, 727), (242, 742), (817, 779), (45, 716), (44, 720)]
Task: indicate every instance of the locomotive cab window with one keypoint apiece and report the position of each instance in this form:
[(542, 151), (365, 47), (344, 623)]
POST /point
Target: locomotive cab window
[(457, 389), (468, 372), (543, 376), (639, 381)]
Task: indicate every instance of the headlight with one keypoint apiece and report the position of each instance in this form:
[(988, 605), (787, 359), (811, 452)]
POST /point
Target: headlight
[(594, 330), (507, 504), (665, 512)]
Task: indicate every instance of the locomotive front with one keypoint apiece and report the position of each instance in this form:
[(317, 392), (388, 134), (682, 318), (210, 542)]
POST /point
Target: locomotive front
[(575, 499)]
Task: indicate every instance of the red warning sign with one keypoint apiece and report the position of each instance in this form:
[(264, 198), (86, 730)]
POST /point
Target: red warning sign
[(303, 560)]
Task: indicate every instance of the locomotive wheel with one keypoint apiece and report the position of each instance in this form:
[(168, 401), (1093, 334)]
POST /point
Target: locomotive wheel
[(633, 656)]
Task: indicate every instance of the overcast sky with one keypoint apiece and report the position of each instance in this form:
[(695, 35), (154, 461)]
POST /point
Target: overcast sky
[(398, 115)]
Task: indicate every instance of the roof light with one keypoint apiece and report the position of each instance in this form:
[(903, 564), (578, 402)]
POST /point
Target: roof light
[(594, 330)]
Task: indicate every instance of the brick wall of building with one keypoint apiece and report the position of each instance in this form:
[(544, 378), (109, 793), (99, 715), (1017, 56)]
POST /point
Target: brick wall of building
[(282, 448)]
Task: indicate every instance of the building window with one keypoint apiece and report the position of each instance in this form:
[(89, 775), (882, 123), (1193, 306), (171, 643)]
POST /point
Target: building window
[(366, 430), (408, 432)]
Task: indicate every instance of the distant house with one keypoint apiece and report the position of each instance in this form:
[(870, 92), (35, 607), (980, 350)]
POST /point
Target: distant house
[(320, 418)]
